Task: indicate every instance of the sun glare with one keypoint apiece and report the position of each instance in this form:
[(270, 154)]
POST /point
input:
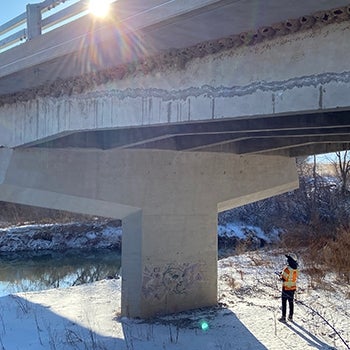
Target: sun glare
[(99, 8)]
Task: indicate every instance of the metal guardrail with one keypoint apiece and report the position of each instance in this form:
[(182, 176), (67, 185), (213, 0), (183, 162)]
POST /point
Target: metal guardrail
[(33, 22), (9, 26)]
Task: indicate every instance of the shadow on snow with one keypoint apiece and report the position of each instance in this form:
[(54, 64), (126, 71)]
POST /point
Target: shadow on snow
[(26, 325), (310, 338), (224, 331)]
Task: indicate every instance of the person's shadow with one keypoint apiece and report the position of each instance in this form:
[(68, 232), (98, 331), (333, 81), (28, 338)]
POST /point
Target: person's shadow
[(308, 337)]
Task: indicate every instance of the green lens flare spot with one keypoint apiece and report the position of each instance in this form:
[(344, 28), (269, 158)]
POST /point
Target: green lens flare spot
[(204, 325)]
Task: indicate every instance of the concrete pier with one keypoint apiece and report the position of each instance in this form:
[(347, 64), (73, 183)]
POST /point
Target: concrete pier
[(168, 203)]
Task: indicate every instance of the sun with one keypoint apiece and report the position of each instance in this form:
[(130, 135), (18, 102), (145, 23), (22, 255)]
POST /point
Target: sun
[(99, 8)]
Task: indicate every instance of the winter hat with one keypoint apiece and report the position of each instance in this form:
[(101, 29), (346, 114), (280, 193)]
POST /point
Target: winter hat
[(292, 260), (292, 256)]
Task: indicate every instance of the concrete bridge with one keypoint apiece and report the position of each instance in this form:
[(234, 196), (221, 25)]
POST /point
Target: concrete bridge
[(166, 113)]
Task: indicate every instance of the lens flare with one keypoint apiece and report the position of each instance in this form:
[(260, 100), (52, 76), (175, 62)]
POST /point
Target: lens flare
[(204, 325), (99, 8)]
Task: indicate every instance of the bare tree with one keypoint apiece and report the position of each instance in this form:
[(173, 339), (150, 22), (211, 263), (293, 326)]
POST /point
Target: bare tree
[(342, 167)]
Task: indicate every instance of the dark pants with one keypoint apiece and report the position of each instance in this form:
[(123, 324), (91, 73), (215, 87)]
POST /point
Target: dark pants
[(288, 295)]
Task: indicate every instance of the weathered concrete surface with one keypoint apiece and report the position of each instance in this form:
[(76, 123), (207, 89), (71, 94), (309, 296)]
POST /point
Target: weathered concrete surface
[(296, 73), (137, 29), (168, 202)]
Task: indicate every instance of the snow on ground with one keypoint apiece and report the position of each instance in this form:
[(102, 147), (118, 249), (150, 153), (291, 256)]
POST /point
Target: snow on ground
[(88, 316), (60, 236), (242, 231), (101, 235)]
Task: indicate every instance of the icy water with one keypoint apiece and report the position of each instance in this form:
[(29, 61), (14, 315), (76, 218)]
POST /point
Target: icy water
[(34, 271)]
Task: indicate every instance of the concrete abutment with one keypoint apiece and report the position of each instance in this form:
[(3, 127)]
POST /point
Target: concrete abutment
[(168, 203)]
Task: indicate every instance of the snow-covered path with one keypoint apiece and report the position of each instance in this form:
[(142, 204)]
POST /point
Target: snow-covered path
[(255, 299), (87, 317)]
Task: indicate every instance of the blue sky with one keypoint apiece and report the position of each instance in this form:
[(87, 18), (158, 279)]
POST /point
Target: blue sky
[(12, 8)]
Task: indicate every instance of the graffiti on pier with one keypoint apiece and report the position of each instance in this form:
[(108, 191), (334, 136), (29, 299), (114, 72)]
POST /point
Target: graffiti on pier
[(158, 282)]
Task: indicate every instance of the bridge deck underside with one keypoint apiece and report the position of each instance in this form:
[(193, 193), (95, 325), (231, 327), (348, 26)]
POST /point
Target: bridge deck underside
[(288, 135)]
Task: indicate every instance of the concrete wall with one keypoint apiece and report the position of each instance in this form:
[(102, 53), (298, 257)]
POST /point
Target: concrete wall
[(306, 71), (168, 202)]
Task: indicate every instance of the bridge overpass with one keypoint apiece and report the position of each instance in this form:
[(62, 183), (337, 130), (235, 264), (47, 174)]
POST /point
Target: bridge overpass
[(167, 112)]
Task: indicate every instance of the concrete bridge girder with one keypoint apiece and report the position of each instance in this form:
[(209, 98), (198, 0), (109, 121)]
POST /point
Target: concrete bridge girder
[(304, 72), (168, 202)]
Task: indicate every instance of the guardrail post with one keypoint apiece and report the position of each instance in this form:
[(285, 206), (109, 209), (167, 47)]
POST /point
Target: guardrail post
[(33, 20)]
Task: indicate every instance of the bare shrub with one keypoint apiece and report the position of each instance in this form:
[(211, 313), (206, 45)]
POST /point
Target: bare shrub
[(241, 247), (323, 250), (258, 261), (316, 275), (231, 282), (336, 254)]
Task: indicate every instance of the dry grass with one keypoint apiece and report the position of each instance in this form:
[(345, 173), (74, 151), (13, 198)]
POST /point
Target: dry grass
[(258, 261), (230, 281), (336, 254), (322, 251), (326, 169)]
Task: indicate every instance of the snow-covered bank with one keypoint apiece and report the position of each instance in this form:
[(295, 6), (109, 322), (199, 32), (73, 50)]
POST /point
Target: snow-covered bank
[(88, 316), (233, 234), (107, 235), (60, 236)]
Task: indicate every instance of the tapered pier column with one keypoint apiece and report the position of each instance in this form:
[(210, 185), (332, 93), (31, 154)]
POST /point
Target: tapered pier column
[(176, 266)]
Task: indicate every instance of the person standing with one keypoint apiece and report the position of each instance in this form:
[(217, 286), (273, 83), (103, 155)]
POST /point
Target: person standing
[(289, 276)]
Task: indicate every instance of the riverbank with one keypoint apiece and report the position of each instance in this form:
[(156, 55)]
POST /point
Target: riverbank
[(87, 235), (108, 235), (88, 316), (43, 256)]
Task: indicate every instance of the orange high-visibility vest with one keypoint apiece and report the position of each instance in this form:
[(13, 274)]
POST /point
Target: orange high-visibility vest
[(289, 277)]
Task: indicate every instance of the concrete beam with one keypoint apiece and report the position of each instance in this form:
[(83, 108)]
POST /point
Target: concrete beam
[(203, 92), (168, 203), (253, 135), (259, 145), (308, 150)]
